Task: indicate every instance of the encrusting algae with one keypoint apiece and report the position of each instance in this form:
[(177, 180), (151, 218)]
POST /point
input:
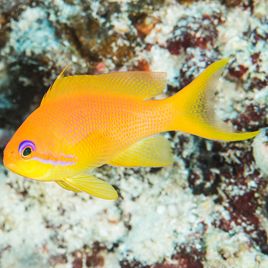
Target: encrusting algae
[(85, 121)]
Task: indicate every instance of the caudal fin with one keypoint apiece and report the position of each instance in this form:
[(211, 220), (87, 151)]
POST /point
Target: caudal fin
[(192, 108)]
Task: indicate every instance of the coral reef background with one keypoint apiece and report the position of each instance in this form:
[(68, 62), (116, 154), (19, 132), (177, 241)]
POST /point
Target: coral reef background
[(210, 208)]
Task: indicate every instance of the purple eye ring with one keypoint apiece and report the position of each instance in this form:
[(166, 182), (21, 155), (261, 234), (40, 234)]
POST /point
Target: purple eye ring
[(26, 148)]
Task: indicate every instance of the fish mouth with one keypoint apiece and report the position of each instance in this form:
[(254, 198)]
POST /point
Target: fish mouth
[(13, 168), (8, 160), (10, 166)]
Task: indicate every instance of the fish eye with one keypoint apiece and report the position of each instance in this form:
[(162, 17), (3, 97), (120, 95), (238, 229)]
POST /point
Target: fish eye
[(26, 148), (27, 151)]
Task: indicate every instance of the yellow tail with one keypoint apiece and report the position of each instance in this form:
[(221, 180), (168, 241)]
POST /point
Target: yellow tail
[(192, 108)]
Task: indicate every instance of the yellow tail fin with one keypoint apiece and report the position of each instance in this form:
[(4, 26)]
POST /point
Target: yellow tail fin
[(192, 108)]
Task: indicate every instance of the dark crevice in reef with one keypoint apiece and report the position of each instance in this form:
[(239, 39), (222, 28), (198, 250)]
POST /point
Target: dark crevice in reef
[(25, 90)]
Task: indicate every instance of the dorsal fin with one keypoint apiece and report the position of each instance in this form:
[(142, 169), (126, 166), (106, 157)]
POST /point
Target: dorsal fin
[(143, 85)]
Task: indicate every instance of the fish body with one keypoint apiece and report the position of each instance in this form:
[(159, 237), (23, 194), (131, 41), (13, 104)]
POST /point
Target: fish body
[(85, 121), (87, 131)]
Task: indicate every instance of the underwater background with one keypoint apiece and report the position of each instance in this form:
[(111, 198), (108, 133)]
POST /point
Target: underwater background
[(210, 209)]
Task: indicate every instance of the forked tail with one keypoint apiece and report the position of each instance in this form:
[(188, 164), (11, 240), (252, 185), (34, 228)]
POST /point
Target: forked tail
[(192, 108)]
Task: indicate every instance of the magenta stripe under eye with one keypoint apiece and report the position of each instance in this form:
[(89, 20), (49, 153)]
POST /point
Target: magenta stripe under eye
[(54, 162), (26, 144)]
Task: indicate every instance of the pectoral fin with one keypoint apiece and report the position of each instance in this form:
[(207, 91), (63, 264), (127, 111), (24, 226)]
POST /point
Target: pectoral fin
[(92, 186), (150, 152)]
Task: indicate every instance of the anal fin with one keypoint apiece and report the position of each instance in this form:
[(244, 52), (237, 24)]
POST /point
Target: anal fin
[(150, 152)]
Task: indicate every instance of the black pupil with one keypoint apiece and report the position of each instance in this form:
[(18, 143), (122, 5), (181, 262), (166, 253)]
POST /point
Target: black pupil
[(27, 151)]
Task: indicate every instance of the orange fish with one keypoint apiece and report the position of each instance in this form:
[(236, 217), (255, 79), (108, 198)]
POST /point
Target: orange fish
[(85, 121)]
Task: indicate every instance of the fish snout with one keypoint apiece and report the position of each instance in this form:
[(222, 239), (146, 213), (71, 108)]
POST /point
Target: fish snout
[(9, 158)]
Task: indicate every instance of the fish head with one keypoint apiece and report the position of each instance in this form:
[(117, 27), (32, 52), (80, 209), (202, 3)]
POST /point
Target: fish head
[(28, 153)]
